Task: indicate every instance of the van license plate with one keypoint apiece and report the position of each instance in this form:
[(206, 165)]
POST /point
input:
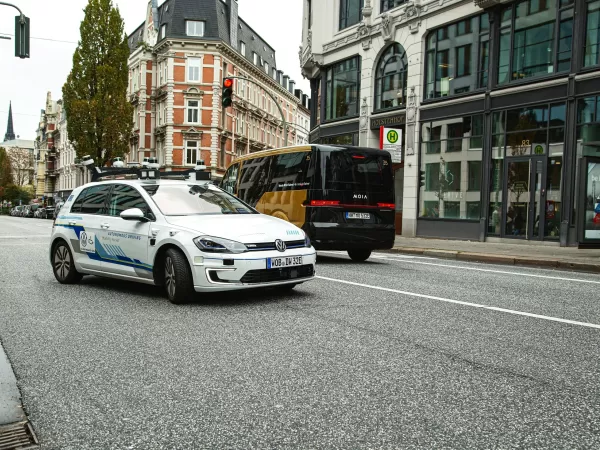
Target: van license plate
[(279, 263), (356, 215)]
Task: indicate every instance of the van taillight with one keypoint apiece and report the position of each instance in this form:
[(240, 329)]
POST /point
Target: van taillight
[(386, 205), (324, 203)]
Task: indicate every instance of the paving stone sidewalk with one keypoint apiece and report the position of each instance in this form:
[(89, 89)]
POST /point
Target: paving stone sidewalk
[(526, 254)]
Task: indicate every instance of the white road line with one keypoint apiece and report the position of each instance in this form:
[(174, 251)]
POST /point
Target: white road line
[(458, 302), (411, 260)]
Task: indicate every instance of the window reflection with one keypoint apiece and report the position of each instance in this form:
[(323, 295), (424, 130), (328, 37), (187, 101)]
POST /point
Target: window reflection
[(390, 83), (342, 89), (592, 35)]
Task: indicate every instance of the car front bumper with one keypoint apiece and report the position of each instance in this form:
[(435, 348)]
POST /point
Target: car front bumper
[(249, 270)]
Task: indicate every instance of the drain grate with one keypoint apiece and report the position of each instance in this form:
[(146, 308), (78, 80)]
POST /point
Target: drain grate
[(17, 436)]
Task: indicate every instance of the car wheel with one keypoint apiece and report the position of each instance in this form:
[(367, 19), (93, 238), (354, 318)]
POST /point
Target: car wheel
[(359, 255), (63, 265), (179, 283)]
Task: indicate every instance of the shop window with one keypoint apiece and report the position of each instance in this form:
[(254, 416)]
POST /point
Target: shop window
[(350, 12), (342, 89), (535, 39), (588, 126), (391, 77), (451, 157), (457, 58), (592, 35)]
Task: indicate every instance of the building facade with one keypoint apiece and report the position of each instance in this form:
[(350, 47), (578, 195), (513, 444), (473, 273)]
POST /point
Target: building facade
[(20, 152), (496, 102), (179, 57)]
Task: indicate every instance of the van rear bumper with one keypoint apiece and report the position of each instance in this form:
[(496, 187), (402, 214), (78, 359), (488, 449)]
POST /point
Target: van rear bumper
[(336, 236)]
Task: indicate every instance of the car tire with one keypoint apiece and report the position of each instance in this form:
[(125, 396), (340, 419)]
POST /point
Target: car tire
[(359, 255), (63, 265), (178, 280)]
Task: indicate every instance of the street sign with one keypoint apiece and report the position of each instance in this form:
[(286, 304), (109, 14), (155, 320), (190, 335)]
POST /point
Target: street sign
[(390, 139)]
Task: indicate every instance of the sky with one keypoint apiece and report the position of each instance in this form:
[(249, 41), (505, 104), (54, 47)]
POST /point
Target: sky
[(54, 36)]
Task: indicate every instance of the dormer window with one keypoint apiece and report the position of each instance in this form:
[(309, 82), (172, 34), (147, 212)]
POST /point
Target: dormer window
[(163, 31), (194, 28)]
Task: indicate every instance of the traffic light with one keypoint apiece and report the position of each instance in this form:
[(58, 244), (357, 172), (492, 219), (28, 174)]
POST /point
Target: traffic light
[(421, 178), (21, 37), (227, 92)]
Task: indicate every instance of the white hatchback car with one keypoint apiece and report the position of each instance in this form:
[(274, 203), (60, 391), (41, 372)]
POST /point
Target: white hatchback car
[(188, 236)]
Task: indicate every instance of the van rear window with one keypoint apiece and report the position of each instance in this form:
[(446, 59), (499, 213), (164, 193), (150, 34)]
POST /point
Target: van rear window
[(355, 170)]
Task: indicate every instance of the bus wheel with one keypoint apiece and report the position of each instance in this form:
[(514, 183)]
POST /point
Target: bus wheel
[(359, 255)]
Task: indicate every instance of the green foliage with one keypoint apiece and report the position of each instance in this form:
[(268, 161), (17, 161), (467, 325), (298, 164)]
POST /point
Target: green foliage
[(95, 94), (6, 176), (14, 193)]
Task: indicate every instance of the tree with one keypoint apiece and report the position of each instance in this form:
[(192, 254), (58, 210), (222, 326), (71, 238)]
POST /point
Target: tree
[(21, 160), (15, 193), (95, 94), (6, 176)]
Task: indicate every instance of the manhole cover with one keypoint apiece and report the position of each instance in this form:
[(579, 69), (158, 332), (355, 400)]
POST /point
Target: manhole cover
[(17, 436)]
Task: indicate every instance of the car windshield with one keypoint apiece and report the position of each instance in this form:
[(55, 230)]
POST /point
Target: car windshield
[(193, 199)]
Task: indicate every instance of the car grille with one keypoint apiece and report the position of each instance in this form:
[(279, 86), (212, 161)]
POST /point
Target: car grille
[(274, 275), (266, 246)]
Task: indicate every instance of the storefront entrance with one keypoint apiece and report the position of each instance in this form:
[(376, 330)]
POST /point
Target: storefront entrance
[(526, 209)]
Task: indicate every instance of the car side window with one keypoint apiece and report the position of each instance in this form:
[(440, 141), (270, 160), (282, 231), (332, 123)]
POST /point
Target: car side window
[(230, 179), (76, 207), (125, 197), (95, 200)]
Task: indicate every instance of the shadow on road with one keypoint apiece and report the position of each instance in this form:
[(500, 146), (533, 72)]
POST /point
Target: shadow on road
[(341, 260)]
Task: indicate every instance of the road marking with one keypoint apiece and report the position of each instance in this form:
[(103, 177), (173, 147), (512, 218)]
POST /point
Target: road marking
[(458, 302), (401, 258)]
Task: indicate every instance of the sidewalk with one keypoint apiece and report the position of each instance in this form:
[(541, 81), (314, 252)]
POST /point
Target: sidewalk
[(526, 254)]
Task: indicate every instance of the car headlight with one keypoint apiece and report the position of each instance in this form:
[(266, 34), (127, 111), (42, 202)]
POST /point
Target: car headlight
[(307, 241), (211, 244)]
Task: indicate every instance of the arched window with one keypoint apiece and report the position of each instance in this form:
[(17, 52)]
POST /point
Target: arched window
[(390, 82)]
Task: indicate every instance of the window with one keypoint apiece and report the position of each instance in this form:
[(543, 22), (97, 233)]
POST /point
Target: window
[(289, 171), (255, 58), (194, 28), (274, 73), (193, 111), (95, 200), (390, 83), (386, 5), (451, 155), (350, 12), (76, 207), (592, 35), (230, 179), (124, 197), (191, 152), (243, 48), (452, 54), (342, 89), (163, 31), (588, 126), (535, 39), (222, 154), (194, 67)]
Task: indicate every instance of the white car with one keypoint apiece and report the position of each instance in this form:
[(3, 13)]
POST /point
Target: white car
[(188, 236)]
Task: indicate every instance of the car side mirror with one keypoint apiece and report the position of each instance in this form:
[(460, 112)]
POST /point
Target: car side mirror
[(134, 214)]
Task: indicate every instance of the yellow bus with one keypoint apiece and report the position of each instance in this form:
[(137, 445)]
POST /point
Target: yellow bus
[(341, 196)]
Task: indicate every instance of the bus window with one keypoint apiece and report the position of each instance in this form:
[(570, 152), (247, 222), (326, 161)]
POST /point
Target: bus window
[(290, 172), (229, 180), (254, 179)]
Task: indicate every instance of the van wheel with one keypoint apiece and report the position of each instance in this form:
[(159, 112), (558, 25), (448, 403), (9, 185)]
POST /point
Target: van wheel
[(63, 265), (359, 255), (179, 283)]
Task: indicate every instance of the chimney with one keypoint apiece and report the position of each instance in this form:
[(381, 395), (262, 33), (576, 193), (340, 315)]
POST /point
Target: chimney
[(233, 22), (280, 76), (291, 86), (305, 101), (286, 80), (298, 94)]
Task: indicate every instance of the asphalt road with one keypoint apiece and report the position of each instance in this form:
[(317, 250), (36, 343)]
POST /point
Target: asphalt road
[(396, 353)]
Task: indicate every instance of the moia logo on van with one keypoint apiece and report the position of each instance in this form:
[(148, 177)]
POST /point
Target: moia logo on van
[(359, 196)]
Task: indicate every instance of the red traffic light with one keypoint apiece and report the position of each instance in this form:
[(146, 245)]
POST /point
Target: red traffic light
[(228, 82)]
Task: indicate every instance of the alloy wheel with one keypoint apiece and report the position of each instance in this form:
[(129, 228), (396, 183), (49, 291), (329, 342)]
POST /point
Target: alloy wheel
[(170, 277), (62, 262)]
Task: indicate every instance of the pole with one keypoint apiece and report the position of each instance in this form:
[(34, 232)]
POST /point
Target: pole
[(285, 123)]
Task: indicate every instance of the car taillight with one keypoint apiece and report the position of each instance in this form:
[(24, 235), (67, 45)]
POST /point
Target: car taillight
[(324, 203), (386, 205)]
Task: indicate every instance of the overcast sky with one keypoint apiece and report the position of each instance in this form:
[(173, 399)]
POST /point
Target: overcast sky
[(26, 81)]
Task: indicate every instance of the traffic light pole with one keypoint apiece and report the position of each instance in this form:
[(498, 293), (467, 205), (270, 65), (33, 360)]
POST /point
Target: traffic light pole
[(285, 123), (21, 32)]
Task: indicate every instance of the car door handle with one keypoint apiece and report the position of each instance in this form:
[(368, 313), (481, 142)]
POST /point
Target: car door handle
[(105, 226)]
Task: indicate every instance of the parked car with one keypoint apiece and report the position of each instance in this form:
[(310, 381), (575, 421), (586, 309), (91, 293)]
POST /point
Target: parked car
[(49, 212), (40, 213)]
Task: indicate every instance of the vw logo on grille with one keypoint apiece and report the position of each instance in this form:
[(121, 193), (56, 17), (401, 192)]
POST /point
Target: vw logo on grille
[(280, 245)]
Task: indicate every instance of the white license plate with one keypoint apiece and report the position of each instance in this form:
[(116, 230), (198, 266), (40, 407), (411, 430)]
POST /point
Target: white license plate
[(279, 263), (355, 215)]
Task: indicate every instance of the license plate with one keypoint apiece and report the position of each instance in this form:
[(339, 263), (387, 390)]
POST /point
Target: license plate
[(279, 263), (356, 215)]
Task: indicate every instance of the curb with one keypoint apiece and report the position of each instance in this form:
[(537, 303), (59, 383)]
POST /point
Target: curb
[(500, 259)]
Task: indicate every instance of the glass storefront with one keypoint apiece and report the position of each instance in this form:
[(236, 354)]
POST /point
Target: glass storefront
[(457, 57), (591, 210), (451, 158)]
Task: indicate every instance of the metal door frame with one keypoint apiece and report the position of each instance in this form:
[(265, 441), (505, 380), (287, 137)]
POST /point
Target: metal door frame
[(532, 160)]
